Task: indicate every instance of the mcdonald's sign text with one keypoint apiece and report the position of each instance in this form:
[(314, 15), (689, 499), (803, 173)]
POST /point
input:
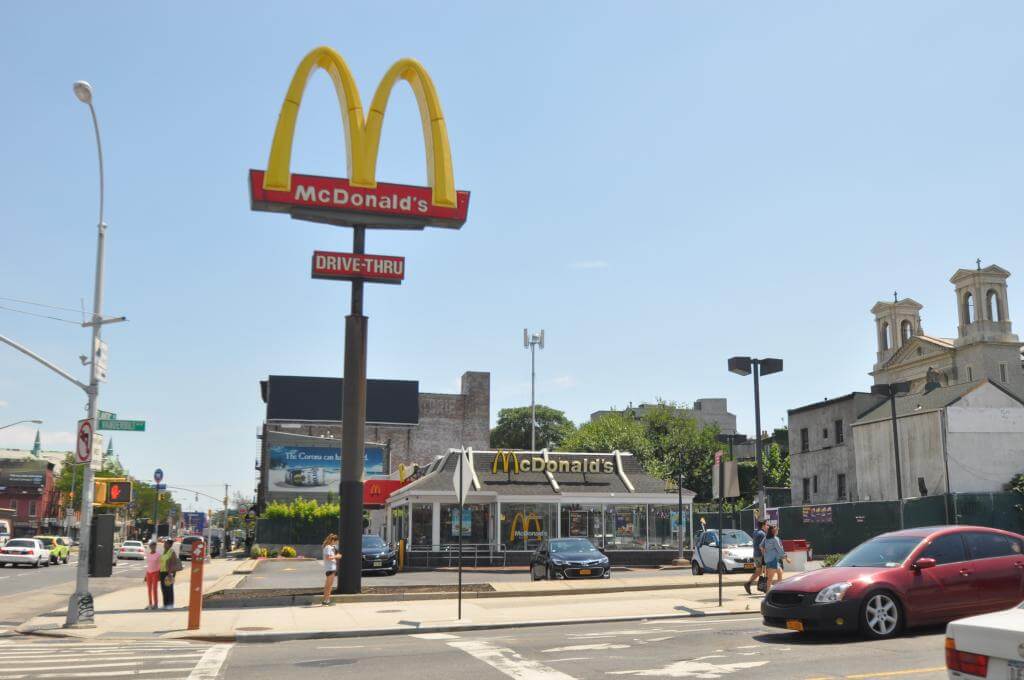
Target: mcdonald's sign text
[(385, 205), (521, 527), (349, 267), (510, 462)]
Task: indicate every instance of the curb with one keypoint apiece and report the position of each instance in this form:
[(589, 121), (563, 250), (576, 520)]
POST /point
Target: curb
[(273, 636), (252, 598), (246, 567)]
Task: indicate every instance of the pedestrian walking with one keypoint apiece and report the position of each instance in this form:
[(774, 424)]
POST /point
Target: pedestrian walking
[(759, 536), (774, 555), (152, 575), (170, 565), (330, 567)]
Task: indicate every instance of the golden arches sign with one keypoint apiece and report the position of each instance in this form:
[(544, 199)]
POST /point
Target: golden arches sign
[(507, 459), (362, 135), (524, 521)]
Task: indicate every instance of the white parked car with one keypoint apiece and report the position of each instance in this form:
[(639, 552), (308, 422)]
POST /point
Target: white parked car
[(131, 550), (737, 552), (25, 551), (987, 646)]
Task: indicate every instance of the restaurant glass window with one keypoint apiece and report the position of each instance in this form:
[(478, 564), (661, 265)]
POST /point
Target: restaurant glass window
[(664, 525), (399, 522), (475, 520), (584, 521), (525, 525), (625, 527), (422, 524)]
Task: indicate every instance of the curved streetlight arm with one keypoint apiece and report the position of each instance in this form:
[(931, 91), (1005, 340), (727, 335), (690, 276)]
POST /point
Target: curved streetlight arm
[(199, 493), (99, 151), (53, 367), (19, 422)]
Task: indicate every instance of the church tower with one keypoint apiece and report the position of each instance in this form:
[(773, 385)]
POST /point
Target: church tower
[(986, 346), (982, 309), (895, 323)]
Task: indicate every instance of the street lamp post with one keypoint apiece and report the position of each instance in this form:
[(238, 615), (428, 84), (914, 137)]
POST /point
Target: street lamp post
[(19, 422), (891, 390), (80, 606), (532, 342), (759, 367)]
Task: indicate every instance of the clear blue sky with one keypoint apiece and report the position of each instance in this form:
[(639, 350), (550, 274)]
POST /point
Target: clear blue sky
[(659, 186)]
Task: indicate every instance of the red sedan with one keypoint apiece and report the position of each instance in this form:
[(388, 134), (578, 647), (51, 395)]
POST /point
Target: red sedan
[(904, 578)]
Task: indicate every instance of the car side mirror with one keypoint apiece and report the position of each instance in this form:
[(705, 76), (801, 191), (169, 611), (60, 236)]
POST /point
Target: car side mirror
[(923, 563)]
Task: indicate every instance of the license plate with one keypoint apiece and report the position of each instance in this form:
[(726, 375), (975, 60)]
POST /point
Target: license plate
[(584, 572), (1015, 670), (793, 624), (377, 564), (749, 565)]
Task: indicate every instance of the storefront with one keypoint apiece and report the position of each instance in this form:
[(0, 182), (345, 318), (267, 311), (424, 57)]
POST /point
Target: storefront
[(520, 498)]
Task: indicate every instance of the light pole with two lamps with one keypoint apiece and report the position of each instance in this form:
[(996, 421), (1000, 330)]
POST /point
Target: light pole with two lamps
[(759, 367)]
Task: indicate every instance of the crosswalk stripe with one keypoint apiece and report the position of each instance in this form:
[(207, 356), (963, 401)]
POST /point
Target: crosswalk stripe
[(209, 666), (119, 657), (509, 661), (107, 674)]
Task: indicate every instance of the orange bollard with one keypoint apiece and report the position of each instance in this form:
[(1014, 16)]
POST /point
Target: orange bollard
[(195, 586)]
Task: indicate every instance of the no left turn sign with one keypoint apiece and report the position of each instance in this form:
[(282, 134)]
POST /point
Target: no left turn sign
[(83, 444)]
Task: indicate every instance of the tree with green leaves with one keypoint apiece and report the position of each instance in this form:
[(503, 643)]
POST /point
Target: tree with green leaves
[(513, 428), (610, 432), (679, 446)]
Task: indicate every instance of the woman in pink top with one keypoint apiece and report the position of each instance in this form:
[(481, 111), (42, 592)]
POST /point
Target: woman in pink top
[(152, 575)]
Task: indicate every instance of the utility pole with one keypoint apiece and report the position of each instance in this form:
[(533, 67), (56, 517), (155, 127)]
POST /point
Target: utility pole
[(532, 342)]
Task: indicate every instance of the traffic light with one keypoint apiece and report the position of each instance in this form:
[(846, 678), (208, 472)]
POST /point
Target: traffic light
[(119, 493), (99, 496)]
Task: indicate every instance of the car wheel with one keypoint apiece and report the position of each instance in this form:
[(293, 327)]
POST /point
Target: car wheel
[(881, 615), (53, 559), (695, 567), (36, 565)]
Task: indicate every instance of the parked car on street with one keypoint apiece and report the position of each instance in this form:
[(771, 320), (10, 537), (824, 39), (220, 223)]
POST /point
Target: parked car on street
[(30, 551), (378, 556), (568, 558), (132, 550), (185, 551), (737, 552), (58, 547), (905, 578), (987, 646)]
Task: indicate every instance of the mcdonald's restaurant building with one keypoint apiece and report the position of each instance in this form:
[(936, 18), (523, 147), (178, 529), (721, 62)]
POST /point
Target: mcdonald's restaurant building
[(519, 498)]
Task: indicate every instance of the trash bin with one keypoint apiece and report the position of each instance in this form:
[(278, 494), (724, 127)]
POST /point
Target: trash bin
[(796, 550)]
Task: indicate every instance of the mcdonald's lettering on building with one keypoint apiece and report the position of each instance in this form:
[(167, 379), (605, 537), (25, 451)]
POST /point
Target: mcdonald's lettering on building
[(360, 199), (349, 266)]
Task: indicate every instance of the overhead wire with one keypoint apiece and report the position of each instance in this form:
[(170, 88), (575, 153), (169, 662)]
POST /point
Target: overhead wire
[(40, 304), (41, 316)]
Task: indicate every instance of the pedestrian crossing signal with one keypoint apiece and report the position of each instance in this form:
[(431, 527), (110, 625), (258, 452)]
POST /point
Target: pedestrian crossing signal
[(119, 493)]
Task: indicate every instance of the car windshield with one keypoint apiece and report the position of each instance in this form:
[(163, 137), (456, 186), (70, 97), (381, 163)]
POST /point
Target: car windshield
[(21, 543), (133, 544), (732, 539), (884, 551), (580, 545), (373, 542)]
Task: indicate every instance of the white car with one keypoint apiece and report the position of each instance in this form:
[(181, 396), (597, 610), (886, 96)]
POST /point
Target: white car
[(131, 550), (987, 646), (25, 551), (737, 552)]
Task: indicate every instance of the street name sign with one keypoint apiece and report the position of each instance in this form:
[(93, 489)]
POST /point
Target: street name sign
[(123, 425), (83, 442), (105, 415), (352, 267)]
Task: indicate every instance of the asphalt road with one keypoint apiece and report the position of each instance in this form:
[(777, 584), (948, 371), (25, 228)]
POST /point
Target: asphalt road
[(27, 592), (711, 647)]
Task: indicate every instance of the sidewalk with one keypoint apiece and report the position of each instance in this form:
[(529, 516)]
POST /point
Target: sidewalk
[(118, 615)]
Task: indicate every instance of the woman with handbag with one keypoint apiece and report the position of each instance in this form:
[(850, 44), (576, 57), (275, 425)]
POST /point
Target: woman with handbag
[(774, 555), (170, 565)]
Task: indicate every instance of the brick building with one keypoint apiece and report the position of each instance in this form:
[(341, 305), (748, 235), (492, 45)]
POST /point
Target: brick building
[(27, 488)]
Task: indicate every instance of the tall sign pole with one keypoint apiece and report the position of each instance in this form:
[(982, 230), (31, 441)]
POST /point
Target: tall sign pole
[(360, 202)]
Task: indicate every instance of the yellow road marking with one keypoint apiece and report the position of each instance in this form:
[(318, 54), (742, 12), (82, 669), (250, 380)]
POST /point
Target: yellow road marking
[(890, 674)]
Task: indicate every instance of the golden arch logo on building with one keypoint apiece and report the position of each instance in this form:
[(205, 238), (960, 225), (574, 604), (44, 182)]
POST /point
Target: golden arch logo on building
[(278, 190), (508, 460), (522, 522)]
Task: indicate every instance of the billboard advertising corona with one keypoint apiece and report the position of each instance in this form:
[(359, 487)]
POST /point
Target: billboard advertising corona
[(360, 199), (313, 471)]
